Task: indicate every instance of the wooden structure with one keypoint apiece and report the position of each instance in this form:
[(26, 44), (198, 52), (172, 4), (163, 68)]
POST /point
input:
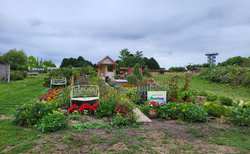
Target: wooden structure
[(58, 81), (84, 93), (107, 68)]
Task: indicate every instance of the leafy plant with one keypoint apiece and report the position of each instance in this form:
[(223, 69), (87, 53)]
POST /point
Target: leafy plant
[(16, 75), (52, 122), (211, 97), (238, 116), (136, 71), (119, 120), (226, 100), (106, 109), (182, 111), (214, 109), (132, 79), (133, 95), (31, 114)]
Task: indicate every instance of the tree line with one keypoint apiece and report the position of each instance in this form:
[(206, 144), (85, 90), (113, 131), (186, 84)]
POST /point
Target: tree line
[(18, 60)]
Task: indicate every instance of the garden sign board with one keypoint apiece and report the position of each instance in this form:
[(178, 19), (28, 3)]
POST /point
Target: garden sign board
[(157, 96)]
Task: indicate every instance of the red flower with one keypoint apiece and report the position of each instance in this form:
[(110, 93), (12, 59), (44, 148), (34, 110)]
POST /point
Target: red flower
[(180, 101)]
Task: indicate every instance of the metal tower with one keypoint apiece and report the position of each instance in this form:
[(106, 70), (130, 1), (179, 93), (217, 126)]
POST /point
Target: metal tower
[(211, 57)]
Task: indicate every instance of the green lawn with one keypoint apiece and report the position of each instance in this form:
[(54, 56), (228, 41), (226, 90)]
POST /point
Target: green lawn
[(16, 93), (237, 92)]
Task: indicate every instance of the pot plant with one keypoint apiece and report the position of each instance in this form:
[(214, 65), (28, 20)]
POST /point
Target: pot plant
[(153, 111)]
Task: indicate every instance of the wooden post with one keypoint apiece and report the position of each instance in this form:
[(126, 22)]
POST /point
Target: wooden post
[(72, 80)]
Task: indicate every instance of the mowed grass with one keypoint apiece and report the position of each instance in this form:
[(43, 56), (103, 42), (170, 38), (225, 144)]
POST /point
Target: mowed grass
[(12, 95), (19, 92), (237, 92)]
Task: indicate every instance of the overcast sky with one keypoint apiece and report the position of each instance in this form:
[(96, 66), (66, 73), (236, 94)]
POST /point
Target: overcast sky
[(174, 32)]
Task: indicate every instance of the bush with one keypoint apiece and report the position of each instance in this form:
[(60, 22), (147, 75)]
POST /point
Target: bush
[(121, 88), (106, 109), (22, 68), (61, 72), (132, 79), (144, 108), (211, 97), (104, 85), (82, 80), (146, 73), (29, 114), (112, 84), (177, 69), (133, 95), (52, 122), (88, 70), (136, 71), (46, 82), (238, 116), (119, 120), (214, 109), (233, 75), (182, 111), (226, 101), (16, 75)]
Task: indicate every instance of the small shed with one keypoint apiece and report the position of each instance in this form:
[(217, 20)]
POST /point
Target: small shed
[(107, 67)]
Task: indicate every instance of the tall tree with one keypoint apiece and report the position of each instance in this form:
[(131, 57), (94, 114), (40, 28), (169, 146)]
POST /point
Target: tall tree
[(32, 62), (48, 63), (15, 58), (153, 64), (79, 62), (128, 59)]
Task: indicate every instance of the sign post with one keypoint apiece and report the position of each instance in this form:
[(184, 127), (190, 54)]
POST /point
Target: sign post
[(157, 96)]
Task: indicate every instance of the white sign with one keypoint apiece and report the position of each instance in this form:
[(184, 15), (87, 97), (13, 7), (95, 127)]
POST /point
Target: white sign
[(157, 96)]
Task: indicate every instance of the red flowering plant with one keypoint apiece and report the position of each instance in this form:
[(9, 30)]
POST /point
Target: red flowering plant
[(121, 109), (87, 108), (175, 100), (84, 109), (155, 105), (73, 108)]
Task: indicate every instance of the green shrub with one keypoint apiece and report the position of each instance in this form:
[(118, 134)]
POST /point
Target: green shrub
[(214, 109), (119, 120), (136, 71), (29, 114), (233, 75), (146, 73), (16, 75), (182, 111), (22, 68), (134, 96), (202, 93), (106, 109), (112, 84), (61, 72), (110, 94), (52, 122), (144, 108), (211, 97), (238, 116), (46, 82), (121, 88), (88, 70), (226, 101), (104, 85), (132, 79)]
